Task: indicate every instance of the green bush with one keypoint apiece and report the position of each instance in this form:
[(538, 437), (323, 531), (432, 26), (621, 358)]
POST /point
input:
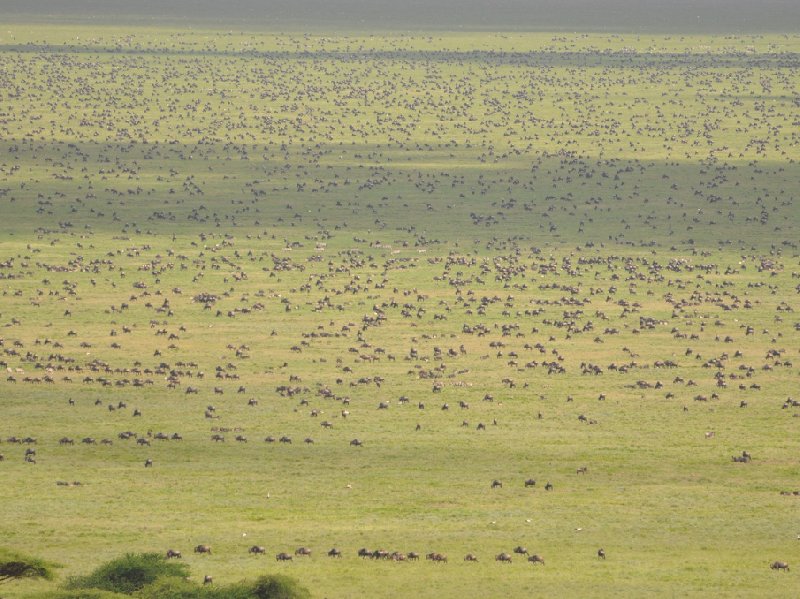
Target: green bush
[(278, 587), (80, 594), (129, 574), (14, 566)]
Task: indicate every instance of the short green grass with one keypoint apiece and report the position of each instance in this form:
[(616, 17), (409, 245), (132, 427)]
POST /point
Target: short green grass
[(504, 205)]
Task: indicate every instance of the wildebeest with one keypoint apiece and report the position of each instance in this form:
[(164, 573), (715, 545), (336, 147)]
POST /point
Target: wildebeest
[(207, 579), (548, 487), (536, 559), (171, 553), (779, 566), (303, 551), (601, 554), (530, 483), (520, 550), (66, 441), (284, 557), (496, 484), (503, 557), (582, 470), (256, 550), (202, 549), (356, 443), (364, 552), (334, 552), (413, 556), (470, 557), (148, 463)]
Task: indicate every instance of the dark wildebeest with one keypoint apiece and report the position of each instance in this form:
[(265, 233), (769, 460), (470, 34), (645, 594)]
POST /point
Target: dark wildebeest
[(497, 484), (779, 566), (601, 554), (356, 443), (207, 579), (148, 463), (283, 557), (548, 487), (582, 470), (364, 552), (530, 483), (470, 557), (503, 557), (334, 552), (202, 549), (256, 549), (536, 559), (520, 550), (171, 553), (413, 556), (303, 551)]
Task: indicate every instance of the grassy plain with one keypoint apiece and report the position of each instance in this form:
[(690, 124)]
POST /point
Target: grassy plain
[(541, 218)]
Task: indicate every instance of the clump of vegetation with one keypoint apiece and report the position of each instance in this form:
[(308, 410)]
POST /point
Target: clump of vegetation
[(16, 566), (129, 573)]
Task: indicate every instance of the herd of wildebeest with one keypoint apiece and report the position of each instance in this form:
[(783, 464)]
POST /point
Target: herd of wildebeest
[(250, 230)]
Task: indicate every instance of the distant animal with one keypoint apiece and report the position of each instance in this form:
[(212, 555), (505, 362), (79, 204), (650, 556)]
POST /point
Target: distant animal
[(536, 559), (203, 549), (470, 557), (207, 579), (530, 483), (582, 470), (520, 550), (334, 552), (256, 550), (503, 557), (148, 463), (601, 554), (303, 551), (548, 487), (171, 553), (356, 443), (496, 484), (283, 557), (779, 566)]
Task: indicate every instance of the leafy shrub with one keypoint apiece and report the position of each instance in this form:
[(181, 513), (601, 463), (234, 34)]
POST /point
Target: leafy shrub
[(279, 587), (129, 574), (14, 566)]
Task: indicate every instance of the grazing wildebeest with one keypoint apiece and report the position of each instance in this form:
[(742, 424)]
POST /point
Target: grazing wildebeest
[(503, 557), (284, 557), (148, 463), (89, 441), (285, 439), (582, 470), (530, 483), (334, 552), (413, 556), (356, 443), (207, 579), (497, 484), (171, 553), (779, 566), (256, 549), (548, 487), (601, 553), (521, 550), (66, 441), (470, 557), (536, 559), (202, 549), (303, 551), (364, 552)]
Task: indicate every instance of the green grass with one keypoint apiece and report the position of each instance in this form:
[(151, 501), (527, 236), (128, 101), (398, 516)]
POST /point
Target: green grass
[(610, 200)]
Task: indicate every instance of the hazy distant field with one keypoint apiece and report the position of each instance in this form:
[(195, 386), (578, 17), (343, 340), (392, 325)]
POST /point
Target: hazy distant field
[(322, 223)]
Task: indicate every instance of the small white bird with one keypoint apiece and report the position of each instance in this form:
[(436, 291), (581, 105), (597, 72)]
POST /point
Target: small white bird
[(528, 520)]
